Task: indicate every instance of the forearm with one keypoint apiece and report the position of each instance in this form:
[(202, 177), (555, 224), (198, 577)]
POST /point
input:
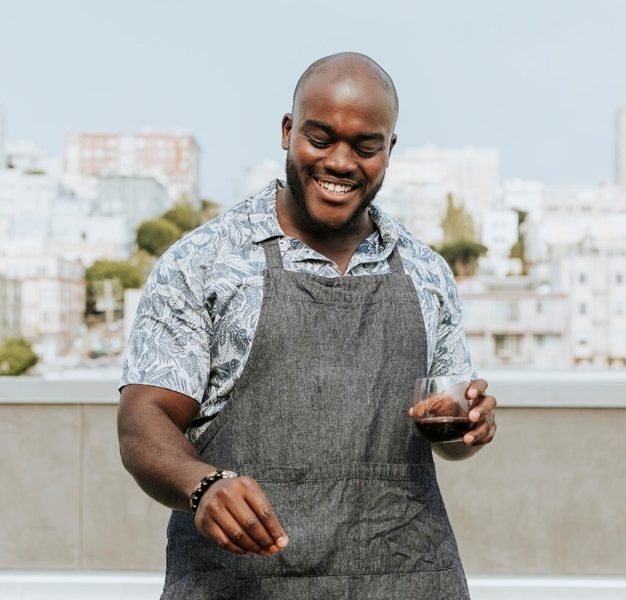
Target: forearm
[(160, 458)]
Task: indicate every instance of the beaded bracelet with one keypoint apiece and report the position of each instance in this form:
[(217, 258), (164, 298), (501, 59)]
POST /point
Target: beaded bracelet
[(204, 485)]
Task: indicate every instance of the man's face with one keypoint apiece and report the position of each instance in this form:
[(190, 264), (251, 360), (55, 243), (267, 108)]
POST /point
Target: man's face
[(338, 143)]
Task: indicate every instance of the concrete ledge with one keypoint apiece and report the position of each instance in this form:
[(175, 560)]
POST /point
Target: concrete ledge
[(34, 390), (115, 585), (513, 388)]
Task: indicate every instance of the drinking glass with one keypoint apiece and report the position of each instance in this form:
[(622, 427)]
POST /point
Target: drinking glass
[(440, 407)]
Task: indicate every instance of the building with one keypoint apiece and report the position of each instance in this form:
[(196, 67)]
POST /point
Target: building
[(510, 323), (105, 227), (171, 158), (419, 180), (26, 201), (25, 156), (52, 302), (570, 213), (10, 307), (620, 146), (499, 232), (593, 274)]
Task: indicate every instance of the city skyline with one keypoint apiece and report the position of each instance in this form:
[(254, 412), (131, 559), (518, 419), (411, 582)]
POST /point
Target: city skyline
[(537, 81)]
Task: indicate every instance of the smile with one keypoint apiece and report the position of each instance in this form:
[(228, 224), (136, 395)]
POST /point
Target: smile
[(335, 188)]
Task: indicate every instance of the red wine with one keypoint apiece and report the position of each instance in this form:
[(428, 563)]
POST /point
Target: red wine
[(443, 429)]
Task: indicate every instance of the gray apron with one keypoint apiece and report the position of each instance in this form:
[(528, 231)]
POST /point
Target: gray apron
[(319, 419)]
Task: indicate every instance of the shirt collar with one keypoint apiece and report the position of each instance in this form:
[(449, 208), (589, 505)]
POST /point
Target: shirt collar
[(264, 222), (263, 218)]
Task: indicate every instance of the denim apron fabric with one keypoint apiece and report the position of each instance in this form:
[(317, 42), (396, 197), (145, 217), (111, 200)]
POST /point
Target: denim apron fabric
[(319, 419)]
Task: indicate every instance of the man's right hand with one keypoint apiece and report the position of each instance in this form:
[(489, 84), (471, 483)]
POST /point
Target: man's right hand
[(234, 512), (237, 515)]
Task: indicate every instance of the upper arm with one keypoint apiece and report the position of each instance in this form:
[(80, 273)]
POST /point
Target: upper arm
[(170, 342), (451, 355), (137, 400)]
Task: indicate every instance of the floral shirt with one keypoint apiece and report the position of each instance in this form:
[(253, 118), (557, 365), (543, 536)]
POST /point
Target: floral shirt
[(198, 314)]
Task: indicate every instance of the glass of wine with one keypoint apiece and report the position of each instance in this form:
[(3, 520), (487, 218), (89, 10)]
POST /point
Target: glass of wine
[(440, 407)]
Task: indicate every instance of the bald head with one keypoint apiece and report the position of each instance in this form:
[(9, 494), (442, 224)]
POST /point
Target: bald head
[(345, 66)]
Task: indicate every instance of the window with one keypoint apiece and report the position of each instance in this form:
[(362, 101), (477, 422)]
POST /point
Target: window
[(508, 311), (582, 278), (619, 278), (582, 309)]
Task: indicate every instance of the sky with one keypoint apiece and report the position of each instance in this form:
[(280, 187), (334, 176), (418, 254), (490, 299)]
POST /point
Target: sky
[(540, 80)]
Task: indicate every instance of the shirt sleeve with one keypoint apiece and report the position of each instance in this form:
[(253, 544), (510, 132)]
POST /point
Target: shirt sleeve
[(452, 355), (169, 344)]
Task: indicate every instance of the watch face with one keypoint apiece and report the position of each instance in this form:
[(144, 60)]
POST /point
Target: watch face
[(228, 474)]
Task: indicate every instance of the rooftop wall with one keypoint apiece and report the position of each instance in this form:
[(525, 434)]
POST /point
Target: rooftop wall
[(545, 498)]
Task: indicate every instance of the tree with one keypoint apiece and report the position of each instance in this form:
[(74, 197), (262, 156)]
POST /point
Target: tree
[(462, 256), (209, 209), (143, 261), (16, 356), (126, 274), (460, 248), (457, 223), (157, 235), (183, 215), (518, 250)]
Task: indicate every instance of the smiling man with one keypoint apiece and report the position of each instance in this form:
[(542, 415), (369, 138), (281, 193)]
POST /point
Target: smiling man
[(266, 384)]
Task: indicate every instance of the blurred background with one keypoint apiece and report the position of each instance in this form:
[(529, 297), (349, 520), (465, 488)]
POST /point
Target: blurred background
[(124, 125)]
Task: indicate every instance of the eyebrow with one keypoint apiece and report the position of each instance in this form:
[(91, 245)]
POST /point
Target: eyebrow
[(326, 128)]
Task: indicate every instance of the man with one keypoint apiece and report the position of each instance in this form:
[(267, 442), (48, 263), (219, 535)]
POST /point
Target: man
[(283, 338)]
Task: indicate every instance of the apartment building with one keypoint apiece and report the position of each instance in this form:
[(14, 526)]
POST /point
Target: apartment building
[(52, 300), (171, 158)]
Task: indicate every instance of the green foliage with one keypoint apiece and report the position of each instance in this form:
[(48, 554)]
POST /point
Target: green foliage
[(16, 356), (518, 250), (124, 272), (127, 274), (183, 215), (521, 216), (457, 223), (462, 256), (143, 261), (209, 209), (157, 235)]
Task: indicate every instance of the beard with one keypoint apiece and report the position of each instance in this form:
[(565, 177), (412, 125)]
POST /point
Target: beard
[(297, 191)]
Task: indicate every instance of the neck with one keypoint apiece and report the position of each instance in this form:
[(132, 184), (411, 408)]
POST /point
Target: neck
[(338, 246)]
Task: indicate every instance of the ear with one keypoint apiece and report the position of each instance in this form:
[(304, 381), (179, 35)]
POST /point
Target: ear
[(394, 139), (286, 130)]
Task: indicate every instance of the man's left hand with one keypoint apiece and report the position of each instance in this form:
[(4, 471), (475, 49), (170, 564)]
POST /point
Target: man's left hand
[(482, 414)]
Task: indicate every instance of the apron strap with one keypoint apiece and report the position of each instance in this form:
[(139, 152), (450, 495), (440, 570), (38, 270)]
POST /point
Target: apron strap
[(273, 257), (395, 262)]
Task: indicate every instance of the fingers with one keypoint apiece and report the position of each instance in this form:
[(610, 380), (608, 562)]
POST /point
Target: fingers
[(483, 416), (476, 388), (238, 516), (482, 406)]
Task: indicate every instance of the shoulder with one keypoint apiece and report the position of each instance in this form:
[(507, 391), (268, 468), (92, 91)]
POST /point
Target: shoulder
[(221, 235)]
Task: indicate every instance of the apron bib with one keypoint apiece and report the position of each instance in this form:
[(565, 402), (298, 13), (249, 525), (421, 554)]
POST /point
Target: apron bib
[(319, 419)]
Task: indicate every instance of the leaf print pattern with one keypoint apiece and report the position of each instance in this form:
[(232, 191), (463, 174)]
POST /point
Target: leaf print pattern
[(197, 317)]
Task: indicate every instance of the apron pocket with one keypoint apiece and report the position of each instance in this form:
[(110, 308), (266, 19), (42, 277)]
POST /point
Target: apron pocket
[(404, 527), (319, 516)]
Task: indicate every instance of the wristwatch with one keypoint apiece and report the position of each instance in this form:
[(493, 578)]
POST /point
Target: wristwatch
[(204, 484)]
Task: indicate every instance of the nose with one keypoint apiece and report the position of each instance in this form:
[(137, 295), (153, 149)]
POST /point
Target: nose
[(340, 159)]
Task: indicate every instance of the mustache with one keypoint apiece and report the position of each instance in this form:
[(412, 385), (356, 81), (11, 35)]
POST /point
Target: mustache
[(321, 175)]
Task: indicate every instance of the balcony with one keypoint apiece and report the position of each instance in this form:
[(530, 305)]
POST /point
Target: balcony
[(538, 515)]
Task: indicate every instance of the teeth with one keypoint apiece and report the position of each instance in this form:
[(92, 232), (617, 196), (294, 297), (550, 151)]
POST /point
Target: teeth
[(335, 187)]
